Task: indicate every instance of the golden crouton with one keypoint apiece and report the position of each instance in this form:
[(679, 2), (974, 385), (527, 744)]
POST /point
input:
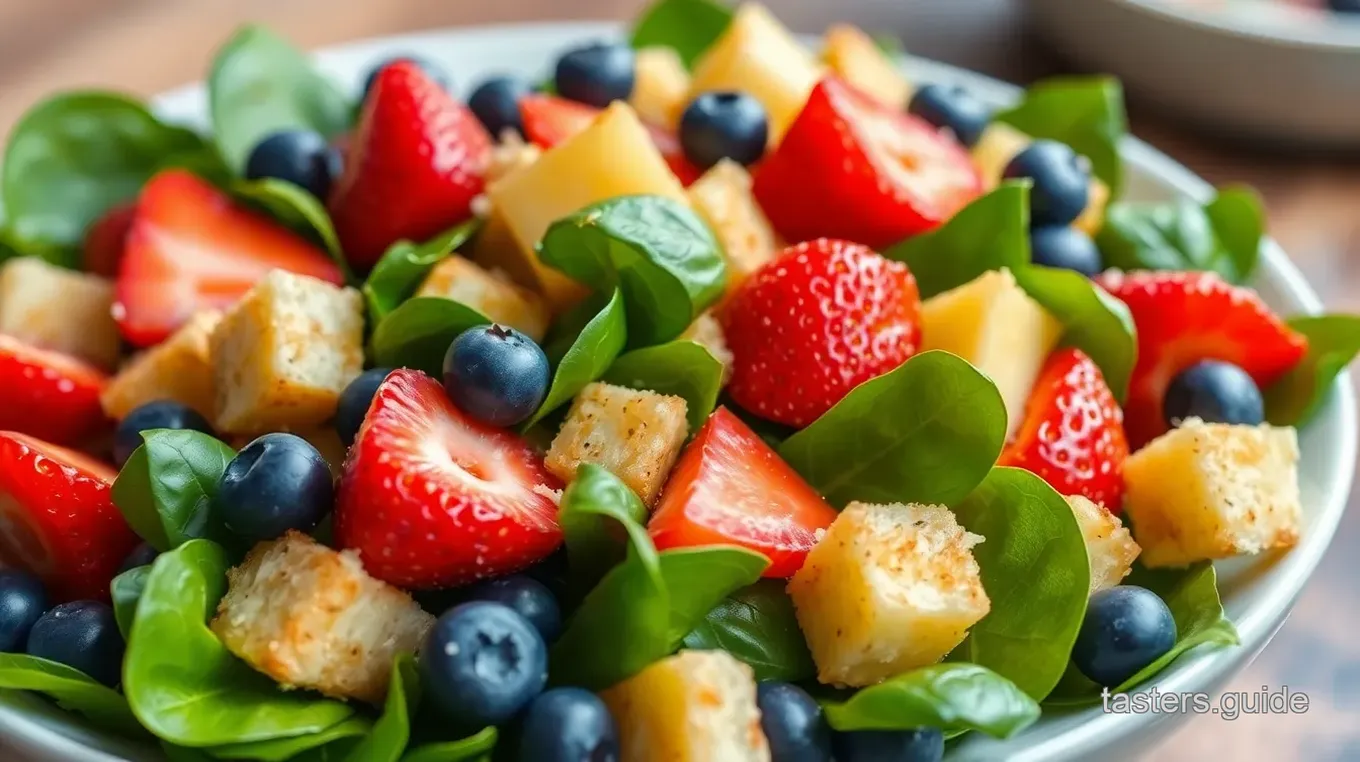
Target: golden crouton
[(723, 198), (283, 354), (1109, 546), (662, 87), (695, 706), (1213, 490), (635, 434), (707, 332), (178, 368), (311, 617), (888, 589), (496, 297), (510, 154), (62, 310)]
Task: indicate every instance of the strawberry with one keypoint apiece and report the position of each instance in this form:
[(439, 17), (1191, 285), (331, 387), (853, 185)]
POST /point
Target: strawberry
[(1072, 435), (729, 487), (431, 498), (57, 518), (49, 395), (851, 168), (106, 240), (1185, 317), (191, 248), (412, 166), (549, 120), (819, 319)]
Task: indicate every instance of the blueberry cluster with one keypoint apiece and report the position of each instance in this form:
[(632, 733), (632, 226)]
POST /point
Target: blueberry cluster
[(80, 634)]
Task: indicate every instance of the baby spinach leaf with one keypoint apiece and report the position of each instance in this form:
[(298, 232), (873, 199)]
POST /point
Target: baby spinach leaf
[(405, 264), (990, 233), (324, 745), (72, 689), (166, 489), (392, 731), (418, 333), (126, 589), (297, 209), (681, 368), (1333, 341), (693, 577), (474, 747), (74, 156), (597, 514), (184, 685), (587, 358), (1086, 113), (1223, 236), (927, 432), (259, 85), (658, 251), (688, 27), (757, 625), (1035, 571), (953, 697)]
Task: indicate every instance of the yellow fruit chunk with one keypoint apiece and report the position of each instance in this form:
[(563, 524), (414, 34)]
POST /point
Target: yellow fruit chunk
[(852, 55), (1001, 142), (661, 88), (722, 196)]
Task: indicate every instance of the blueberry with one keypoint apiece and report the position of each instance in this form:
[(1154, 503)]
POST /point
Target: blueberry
[(482, 662), (300, 157), (276, 483), (568, 725), (925, 745), (529, 598), (954, 108), (354, 401), (22, 601), (142, 555), (1218, 392), (1061, 181), (793, 723), (495, 102), (552, 573), (496, 374), (82, 635), (596, 74), (161, 414), (1126, 628), (432, 70), (1344, 6), (1065, 247), (724, 125)]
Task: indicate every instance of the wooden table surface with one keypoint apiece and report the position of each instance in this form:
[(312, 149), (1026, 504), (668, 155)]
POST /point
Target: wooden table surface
[(148, 45)]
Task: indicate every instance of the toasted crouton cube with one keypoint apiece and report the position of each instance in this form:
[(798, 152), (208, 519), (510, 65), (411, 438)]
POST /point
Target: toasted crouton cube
[(1109, 546), (311, 617), (62, 310), (855, 56), (722, 196), (635, 434), (1213, 490), (662, 86), (178, 368), (510, 154), (283, 354), (496, 297), (888, 589), (695, 706), (707, 332)]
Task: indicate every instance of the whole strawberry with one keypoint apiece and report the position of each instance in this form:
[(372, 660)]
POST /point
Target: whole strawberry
[(821, 318)]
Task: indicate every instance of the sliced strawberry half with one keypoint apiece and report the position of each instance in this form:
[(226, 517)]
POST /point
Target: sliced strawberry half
[(57, 518), (106, 240), (1185, 317), (191, 248), (730, 488), (851, 168), (49, 395), (431, 498), (549, 120)]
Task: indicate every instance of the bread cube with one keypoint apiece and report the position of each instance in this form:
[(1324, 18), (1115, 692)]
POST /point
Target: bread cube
[(1109, 546), (661, 87), (992, 323), (636, 435), (695, 706), (1000, 142), (888, 589), (310, 617), (1213, 490), (179, 368), (509, 154), (707, 332), (58, 309), (283, 354), (722, 196), (489, 293), (857, 59)]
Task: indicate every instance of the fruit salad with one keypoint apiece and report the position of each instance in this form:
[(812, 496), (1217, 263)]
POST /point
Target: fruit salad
[(712, 397)]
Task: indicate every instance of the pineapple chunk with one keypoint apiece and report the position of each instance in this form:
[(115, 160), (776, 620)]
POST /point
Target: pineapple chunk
[(707, 332), (888, 589), (504, 302), (62, 310), (853, 55), (1001, 142), (178, 368), (758, 56), (993, 324), (695, 706), (661, 89), (1092, 218), (722, 196), (613, 157), (635, 434), (1109, 546), (1213, 490)]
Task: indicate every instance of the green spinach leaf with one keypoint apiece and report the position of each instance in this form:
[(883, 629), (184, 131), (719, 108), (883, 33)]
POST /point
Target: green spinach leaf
[(297, 209), (698, 578), (404, 265), (757, 625), (324, 745), (126, 589), (680, 368), (72, 689), (927, 432), (953, 697), (587, 358), (392, 731), (1223, 236), (1086, 113), (597, 514), (1333, 341), (474, 747), (418, 333), (166, 489), (688, 27)]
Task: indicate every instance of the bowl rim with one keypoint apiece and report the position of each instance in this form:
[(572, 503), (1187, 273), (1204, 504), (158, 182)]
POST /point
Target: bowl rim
[(1279, 26), (1205, 670)]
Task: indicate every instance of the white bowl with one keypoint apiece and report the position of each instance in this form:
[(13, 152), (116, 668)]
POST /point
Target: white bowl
[(1262, 72), (1257, 595)]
